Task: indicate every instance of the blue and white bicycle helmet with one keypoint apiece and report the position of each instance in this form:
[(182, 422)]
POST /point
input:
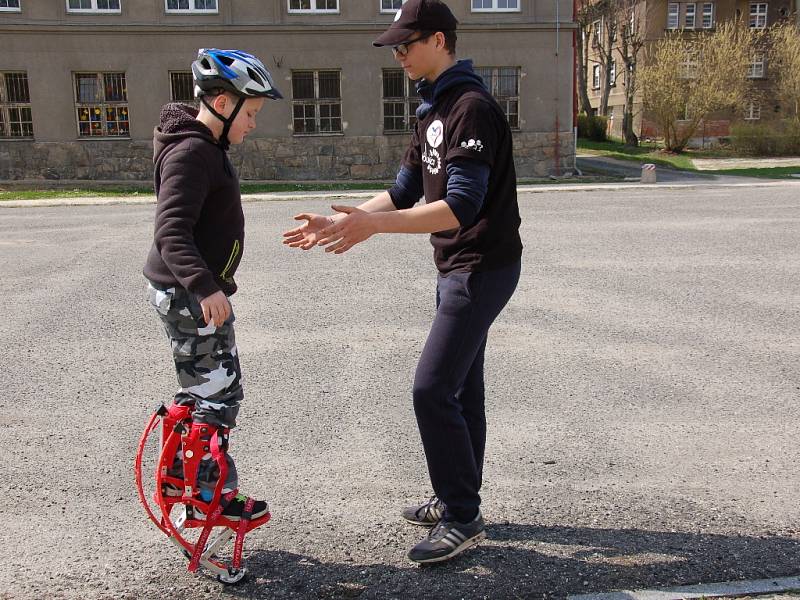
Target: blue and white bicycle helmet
[(234, 71)]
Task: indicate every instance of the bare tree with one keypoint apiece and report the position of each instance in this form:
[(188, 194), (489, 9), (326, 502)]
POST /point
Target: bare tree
[(784, 63), (605, 40), (585, 16), (631, 18), (685, 79)]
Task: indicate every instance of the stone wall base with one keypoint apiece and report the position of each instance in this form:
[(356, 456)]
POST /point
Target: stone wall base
[(294, 159)]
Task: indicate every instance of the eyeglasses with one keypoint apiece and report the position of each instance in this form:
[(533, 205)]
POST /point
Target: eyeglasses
[(402, 49)]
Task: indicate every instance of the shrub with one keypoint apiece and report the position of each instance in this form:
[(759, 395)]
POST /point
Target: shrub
[(592, 127), (762, 139)]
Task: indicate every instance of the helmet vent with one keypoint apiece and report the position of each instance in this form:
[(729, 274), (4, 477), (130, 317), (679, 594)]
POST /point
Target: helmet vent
[(255, 76)]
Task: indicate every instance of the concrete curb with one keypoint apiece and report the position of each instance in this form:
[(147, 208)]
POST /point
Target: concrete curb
[(344, 195), (703, 590)]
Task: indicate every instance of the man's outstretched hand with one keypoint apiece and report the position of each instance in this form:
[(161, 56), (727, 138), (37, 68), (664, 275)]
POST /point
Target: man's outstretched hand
[(306, 235), (344, 233)]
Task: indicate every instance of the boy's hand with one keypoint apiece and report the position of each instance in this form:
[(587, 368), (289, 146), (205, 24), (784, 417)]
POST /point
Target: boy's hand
[(356, 226), (216, 308), (306, 236)]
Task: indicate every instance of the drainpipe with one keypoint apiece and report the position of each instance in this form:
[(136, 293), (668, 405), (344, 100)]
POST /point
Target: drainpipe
[(575, 87), (557, 155)]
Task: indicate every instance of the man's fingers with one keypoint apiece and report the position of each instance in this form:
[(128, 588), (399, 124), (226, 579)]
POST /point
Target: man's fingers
[(343, 209), (334, 247), (302, 217), (333, 237), (295, 231)]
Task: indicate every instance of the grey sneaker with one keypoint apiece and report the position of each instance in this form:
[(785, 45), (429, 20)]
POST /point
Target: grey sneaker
[(448, 539), (426, 514)]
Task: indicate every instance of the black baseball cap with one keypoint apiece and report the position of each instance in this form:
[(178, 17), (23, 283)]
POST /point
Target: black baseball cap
[(417, 15)]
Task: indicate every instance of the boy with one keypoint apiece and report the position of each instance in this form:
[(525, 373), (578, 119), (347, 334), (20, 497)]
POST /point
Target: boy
[(461, 160), (197, 246)]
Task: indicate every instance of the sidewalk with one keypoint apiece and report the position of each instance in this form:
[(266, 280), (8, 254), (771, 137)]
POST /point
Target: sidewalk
[(360, 195), (716, 164)]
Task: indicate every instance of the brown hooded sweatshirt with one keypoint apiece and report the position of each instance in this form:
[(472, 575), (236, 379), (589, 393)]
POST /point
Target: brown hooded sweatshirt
[(199, 223)]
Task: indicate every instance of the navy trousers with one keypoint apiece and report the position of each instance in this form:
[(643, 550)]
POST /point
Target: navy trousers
[(449, 386)]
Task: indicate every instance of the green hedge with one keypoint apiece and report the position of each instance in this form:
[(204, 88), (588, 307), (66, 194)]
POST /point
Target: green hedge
[(781, 138), (592, 127)]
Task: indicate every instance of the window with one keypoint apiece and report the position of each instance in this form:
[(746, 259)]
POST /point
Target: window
[(689, 16), (313, 6), (597, 28), (752, 112), (758, 15), (708, 15), (400, 102), (503, 83), (495, 5), (673, 12), (391, 6), (689, 66), (181, 86), (756, 70), (101, 105), (15, 106), (596, 77), (93, 6), (197, 6), (9, 6), (612, 73), (316, 102)]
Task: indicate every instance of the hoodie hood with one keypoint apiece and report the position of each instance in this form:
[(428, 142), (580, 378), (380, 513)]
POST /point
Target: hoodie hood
[(459, 74), (177, 122)]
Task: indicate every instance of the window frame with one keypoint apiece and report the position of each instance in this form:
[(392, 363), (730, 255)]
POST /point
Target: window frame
[(388, 11), (192, 10), (317, 102), (596, 76), (612, 73), (676, 14), (408, 99), (758, 66), (494, 8), (17, 8), (752, 111), (104, 104), (94, 9), (7, 105), (504, 101), (172, 81), (757, 15), (710, 14), (687, 15), (314, 10)]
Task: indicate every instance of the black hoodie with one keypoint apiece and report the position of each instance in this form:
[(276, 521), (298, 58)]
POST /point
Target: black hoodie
[(199, 223)]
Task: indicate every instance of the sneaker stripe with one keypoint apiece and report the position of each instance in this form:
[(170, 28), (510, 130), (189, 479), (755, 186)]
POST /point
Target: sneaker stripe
[(447, 541), (455, 536)]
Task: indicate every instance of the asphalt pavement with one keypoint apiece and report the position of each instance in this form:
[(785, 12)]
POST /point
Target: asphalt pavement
[(642, 401)]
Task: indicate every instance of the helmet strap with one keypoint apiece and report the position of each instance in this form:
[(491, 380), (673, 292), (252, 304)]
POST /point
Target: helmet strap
[(226, 123)]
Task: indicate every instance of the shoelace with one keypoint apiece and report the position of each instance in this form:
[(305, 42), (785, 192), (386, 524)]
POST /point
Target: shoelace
[(439, 531), (426, 508)]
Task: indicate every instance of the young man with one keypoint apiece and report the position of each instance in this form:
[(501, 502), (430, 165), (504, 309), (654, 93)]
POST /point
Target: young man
[(197, 247), (460, 158)]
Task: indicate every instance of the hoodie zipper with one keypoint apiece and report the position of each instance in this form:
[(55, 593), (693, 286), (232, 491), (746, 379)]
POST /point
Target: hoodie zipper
[(231, 260)]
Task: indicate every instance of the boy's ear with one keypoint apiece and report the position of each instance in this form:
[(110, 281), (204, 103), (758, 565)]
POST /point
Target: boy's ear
[(220, 103)]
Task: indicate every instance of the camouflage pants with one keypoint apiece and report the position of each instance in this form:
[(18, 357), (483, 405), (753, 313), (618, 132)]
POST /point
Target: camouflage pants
[(207, 366)]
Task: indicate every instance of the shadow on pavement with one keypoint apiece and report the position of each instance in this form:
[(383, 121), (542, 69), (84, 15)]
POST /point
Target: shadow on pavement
[(527, 561)]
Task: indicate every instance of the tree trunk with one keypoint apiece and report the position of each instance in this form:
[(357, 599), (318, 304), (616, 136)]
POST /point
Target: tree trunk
[(583, 65), (628, 133), (605, 92)]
